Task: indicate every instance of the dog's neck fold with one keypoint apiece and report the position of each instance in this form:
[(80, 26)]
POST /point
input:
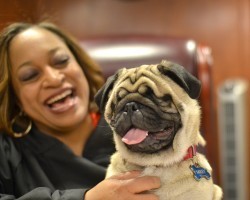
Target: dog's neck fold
[(191, 153)]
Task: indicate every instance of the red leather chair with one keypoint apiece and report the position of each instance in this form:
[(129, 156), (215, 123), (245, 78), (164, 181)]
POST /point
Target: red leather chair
[(113, 53)]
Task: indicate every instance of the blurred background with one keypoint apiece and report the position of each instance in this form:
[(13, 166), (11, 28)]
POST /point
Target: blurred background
[(210, 38)]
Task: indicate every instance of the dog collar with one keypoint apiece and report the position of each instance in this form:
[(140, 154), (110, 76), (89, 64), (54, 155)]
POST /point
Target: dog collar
[(191, 152)]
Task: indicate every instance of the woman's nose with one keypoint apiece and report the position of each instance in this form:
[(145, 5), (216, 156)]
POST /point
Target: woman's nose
[(53, 77)]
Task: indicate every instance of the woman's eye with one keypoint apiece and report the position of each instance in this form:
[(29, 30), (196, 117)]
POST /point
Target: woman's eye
[(61, 60), (29, 75)]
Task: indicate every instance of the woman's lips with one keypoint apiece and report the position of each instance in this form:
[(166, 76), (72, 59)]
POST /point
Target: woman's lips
[(62, 102)]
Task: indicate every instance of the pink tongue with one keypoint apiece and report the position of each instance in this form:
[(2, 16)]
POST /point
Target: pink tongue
[(134, 136)]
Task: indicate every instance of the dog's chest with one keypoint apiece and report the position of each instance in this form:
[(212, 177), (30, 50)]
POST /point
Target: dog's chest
[(178, 183), (168, 175)]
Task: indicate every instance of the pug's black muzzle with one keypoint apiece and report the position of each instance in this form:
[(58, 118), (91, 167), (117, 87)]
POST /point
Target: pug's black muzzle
[(161, 125)]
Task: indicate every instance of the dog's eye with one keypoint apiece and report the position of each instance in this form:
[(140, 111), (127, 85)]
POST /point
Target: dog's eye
[(167, 97), (112, 106), (149, 92), (118, 98)]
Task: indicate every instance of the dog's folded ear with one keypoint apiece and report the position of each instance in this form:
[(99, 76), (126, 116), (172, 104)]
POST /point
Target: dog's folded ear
[(101, 96), (182, 77)]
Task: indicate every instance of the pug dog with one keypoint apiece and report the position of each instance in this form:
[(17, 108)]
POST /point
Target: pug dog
[(155, 117)]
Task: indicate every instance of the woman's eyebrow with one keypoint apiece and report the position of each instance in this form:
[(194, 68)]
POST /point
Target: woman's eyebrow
[(52, 51), (24, 64)]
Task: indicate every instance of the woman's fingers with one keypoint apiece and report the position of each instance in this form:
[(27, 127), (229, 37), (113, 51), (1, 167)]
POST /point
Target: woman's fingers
[(143, 183), (136, 183), (130, 185)]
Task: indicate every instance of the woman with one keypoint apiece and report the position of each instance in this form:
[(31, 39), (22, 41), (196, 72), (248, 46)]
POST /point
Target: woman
[(52, 143)]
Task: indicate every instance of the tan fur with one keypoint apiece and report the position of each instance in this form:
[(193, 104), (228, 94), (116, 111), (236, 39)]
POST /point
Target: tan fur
[(176, 177)]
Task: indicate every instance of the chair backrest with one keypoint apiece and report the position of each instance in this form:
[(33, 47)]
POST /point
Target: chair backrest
[(113, 53)]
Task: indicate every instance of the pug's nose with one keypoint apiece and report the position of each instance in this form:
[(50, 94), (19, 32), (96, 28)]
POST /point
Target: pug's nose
[(131, 107)]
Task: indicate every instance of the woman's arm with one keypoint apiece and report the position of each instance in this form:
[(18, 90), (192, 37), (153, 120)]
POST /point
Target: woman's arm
[(10, 158), (43, 193), (130, 186)]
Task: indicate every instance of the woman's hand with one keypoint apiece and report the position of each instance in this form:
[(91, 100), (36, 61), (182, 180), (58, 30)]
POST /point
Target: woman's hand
[(128, 186)]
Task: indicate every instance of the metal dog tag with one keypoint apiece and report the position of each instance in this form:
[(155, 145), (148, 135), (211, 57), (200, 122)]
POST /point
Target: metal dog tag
[(199, 172)]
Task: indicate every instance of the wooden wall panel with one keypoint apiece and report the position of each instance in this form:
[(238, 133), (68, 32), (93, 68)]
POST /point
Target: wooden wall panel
[(15, 10)]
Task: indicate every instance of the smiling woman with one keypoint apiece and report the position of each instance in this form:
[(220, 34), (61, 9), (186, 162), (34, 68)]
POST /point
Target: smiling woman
[(44, 78), (39, 65), (53, 142)]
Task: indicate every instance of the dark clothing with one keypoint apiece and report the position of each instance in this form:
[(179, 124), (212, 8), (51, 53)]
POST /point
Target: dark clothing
[(41, 167)]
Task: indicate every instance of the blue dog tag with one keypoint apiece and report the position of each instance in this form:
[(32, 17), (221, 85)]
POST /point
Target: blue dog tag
[(199, 172)]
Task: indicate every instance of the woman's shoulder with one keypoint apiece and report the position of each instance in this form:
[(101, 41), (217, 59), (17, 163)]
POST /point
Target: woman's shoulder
[(8, 149), (6, 142), (100, 145)]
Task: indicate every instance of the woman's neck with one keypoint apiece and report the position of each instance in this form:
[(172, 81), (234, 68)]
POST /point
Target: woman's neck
[(76, 138)]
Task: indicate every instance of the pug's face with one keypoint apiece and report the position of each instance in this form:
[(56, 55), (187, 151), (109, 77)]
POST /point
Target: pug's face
[(144, 105), (145, 118)]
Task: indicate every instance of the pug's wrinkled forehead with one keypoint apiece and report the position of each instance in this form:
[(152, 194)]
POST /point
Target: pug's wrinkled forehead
[(149, 77), (140, 79)]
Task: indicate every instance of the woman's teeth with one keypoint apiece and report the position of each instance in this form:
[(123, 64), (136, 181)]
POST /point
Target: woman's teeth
[(59, 97)]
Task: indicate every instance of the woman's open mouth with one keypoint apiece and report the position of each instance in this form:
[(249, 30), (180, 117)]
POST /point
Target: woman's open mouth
[(62, 101)]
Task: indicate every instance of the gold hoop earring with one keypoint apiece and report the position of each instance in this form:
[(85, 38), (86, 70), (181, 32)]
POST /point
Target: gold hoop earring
[(19, 125)]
